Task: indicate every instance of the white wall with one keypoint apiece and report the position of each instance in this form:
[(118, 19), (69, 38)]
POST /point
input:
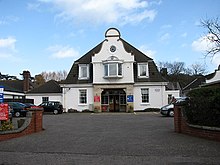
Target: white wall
[(127, 74), (215, 78), (71, 98), (156, 97), (121, 54), (175, 93), (38, 97), (9, 95)]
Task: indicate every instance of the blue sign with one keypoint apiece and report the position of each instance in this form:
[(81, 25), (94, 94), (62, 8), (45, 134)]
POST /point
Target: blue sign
[(1, 98), (130, 98), (1, 94)]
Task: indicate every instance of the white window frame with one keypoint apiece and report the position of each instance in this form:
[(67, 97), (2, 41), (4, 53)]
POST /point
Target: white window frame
[(86, 97), (81, 66), (107, 66), (146, 75), (145, 95)]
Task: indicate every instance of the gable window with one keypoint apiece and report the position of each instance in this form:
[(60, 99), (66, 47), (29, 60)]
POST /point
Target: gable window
[(143, 70), (83, 71), (145, 95), (113, 70), (83, 96), (112, 67)]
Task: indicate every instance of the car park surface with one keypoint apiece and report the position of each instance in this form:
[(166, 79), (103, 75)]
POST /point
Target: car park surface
[(109, 138)]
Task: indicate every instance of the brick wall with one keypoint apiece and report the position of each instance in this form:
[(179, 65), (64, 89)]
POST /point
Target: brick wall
[(36, 125), (181, 126)]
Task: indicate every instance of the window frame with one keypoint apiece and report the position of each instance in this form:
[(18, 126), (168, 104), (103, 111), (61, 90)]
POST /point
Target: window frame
[(81, 76), (118, 69), (140, 65), (145, 97), (85, 97)]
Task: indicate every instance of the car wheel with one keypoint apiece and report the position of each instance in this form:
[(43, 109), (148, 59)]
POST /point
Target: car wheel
[(55, 112), (17, 114), (171, 113)]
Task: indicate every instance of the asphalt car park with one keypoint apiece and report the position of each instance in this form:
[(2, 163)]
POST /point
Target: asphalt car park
[(109, 138)]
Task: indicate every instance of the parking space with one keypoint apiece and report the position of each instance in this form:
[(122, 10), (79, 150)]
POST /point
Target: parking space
[(109, 138)]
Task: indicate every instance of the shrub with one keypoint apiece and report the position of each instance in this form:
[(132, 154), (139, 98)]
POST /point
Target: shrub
[(72, 110), (149, 110), (6, 125), (86, 111), (203, 107)]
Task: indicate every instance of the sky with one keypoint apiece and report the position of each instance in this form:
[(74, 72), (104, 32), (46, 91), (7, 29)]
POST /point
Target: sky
[(49, 35)]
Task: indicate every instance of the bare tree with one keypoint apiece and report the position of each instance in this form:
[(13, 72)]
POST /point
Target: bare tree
[(213, 35), (198, 69), (58, 76), (174, 68), (177, 68)]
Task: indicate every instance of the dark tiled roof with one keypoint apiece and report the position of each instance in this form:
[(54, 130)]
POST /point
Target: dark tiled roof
[(49, 87), (195, 83), (12, 85), (154, 75)]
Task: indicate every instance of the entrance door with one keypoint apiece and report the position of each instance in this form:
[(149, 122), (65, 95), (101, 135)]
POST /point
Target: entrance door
[(114, 103), (113, 100)]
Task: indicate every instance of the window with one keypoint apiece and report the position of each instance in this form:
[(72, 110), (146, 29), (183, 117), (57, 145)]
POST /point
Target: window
[(145, 95), (83, 71), (105, 99), (143, 70), (113, 70), (122, 98), (45, 99), (83, 96)]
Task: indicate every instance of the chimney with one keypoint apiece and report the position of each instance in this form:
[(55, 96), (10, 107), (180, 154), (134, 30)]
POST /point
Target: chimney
[(163, 71), (26, 80)]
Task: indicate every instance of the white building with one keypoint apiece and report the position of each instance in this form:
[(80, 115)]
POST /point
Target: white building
[(50, 91), (114, 76)]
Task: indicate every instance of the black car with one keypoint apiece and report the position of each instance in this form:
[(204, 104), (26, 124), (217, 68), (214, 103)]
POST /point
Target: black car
[(52, 106), (18, 109)]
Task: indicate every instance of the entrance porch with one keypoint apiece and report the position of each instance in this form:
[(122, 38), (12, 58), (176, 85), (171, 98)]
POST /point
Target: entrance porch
[(113, 98)]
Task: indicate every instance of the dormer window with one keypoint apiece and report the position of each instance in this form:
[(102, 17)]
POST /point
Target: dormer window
[(143, 70), (112, 68), (83, 71)]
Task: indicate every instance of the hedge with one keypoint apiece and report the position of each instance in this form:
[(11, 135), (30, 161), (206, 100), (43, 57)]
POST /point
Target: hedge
[(203, 107)]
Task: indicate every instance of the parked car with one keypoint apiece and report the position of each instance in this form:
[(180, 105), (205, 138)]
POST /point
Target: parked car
[(168, 110), (18, 109), (52, 106)]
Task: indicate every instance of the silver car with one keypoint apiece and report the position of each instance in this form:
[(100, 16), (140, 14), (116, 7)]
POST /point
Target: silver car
[(167, 110)]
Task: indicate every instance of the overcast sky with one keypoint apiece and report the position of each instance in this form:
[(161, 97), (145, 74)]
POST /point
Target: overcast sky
[(49, 35)]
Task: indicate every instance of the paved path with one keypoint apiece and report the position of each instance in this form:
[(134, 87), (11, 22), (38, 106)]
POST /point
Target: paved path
[(120, 138)]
